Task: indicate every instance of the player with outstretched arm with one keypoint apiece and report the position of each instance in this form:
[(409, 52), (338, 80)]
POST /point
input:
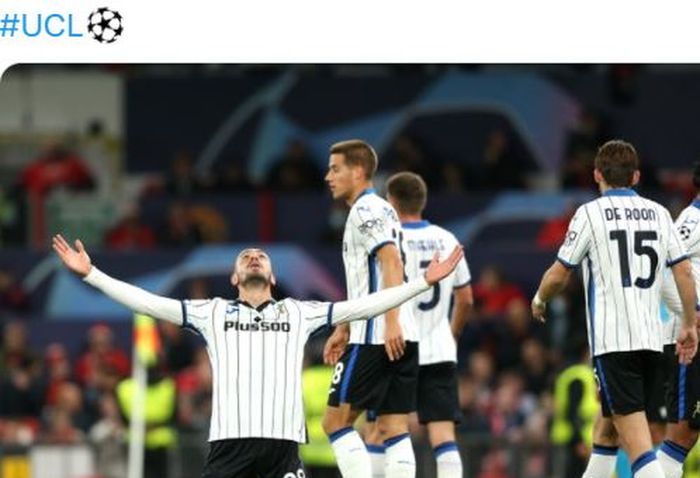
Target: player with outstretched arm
[(255, 346)]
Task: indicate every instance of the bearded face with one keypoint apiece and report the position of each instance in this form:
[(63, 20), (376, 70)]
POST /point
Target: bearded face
[(253, 269)]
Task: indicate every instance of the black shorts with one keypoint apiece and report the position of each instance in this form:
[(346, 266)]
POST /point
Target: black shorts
[(657, 410), (253, 458), (626, 380), (365, 378), (683, 391), (437, 393)]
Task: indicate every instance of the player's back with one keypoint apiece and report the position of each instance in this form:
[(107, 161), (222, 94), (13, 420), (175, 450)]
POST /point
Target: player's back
[(623, 242), (371, 224), (431, 309)]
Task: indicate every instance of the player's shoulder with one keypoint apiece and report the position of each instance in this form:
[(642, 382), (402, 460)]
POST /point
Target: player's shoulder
[(370, 201), (372, 205), (687, 222)]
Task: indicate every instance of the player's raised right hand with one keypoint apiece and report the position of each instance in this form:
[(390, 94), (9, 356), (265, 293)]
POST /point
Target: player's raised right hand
[(437, 271), (77, 260)]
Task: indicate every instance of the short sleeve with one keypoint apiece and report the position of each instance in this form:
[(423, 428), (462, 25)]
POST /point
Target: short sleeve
[(314, 314), (463, 276), (577, 241), (376, 225), (197, 314), (676, 247)]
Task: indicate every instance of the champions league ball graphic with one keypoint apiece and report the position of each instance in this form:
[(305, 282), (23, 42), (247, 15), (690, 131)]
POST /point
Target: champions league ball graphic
[(105, 25)]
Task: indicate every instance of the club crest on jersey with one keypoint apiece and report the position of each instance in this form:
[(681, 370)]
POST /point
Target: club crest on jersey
[(372, 225), (687, 228), (281, 310), (570, 237), (231, 307)]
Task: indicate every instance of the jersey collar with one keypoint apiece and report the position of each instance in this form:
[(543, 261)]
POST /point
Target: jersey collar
[(696, 203), (259, 308), (416, 224), (365, 192), (620, 192)]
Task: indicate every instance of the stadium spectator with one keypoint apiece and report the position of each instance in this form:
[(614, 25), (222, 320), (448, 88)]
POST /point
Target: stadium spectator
[(182, 179), (15, 352), (60, 430), (180, 230), (131, 233), (295, 171), (493, 294), (506, 415), (194, 392), (581, 146), (69, 406), (160, 404), (552, 233), (108, 435), (473, 419), (407, 154), (178, 349), (232, 177), (501, 167), (101, 353), (13, 297), (535, 368), (57, 371), (56, 166), (210, 223)]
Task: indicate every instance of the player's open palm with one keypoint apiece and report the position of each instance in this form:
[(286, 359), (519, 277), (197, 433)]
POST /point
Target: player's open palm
[(439, 270), (77, 260)]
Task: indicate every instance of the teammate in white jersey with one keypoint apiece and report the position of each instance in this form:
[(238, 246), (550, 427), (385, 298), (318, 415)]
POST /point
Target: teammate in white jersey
[(438, 401), (378, 371), (255, 347), (623, 242), (683, 381)]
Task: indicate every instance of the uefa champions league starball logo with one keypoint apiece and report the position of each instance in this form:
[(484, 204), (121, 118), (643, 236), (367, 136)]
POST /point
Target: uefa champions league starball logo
[(105, 25)]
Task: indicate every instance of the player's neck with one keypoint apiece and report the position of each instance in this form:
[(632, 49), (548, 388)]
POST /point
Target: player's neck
[(404, 218), (357, 192), (255, 295)]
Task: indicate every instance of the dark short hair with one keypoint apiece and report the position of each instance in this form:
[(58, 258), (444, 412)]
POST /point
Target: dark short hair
[(357, 153), (409, 191), (617, 161)]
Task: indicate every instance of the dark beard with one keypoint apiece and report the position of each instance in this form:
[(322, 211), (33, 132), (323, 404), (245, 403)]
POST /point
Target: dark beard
[(255, 281)]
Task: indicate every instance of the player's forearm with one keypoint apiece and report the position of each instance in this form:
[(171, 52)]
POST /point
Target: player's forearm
[(392, 276), (553, 282), (378, 303), (463, 304), (685, 283), (135, 298), (460, 316)]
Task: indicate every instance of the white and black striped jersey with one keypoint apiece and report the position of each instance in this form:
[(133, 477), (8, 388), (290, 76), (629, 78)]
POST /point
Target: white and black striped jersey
[(256, 356), (623, 242), (255, 352), (431, 309), (687, 226), (372, 223)]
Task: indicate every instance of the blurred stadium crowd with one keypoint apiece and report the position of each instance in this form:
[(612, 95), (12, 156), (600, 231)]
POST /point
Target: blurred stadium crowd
[(508, 363)]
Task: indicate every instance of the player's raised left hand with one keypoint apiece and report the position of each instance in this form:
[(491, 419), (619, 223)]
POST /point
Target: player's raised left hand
[(439, 270)]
